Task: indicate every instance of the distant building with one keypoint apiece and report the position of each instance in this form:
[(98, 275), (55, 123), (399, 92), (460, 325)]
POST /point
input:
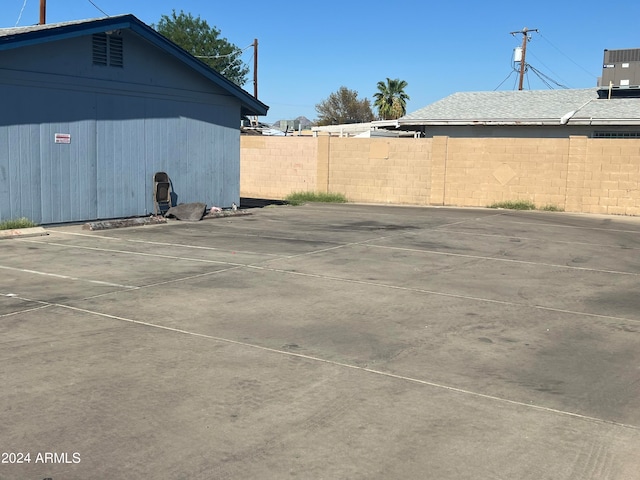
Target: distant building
[(299, 123), (288, 125), (527, 114)]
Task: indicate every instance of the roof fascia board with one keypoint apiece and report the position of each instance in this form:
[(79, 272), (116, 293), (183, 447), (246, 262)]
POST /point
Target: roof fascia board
[(480, 122), (62, 32), (606, 121), (545, 122), (385, 123)]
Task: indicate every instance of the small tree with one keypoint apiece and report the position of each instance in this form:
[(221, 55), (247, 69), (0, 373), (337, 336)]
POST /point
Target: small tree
[(344, 106), (204, 42), (390, 99)]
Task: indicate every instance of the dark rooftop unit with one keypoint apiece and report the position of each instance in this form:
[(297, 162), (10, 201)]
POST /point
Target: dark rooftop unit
[(621, 71)]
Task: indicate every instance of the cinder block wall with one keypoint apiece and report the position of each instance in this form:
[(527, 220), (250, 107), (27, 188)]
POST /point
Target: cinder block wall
[(611, 175), (482, 171), (273, 167), (577, 174), (381, 170)]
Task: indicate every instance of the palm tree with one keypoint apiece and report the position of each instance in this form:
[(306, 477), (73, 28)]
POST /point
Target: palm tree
[(391, 99)]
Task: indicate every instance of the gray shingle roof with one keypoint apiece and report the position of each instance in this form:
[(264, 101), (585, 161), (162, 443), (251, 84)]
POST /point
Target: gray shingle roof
[(616, 111), (5, 32), (532, 107)]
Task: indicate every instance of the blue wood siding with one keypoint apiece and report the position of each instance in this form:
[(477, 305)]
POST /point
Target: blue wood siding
[(125, 124), (120, 156), (19, 171)]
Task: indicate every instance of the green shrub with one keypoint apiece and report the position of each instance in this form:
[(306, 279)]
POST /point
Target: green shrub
[(552, 208), (525, 205), (17, 223), (298, 198), (515, 205)]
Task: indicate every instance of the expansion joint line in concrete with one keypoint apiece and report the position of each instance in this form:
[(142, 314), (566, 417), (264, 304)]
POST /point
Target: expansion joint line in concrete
[(42, 305), (443, 294), (507, 260), (358, 368)]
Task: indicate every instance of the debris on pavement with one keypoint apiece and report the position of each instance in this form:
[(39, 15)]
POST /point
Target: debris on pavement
[(126, 222), (190, 212)]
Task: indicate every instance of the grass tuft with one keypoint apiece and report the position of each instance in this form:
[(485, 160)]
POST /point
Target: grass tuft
[(552, 208), (525, 205), (514, 205), (298, 198), (17, 223)]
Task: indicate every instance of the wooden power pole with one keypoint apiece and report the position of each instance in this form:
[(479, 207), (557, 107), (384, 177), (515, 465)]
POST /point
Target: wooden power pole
[(255, 68), (43, 12), (523, 61)]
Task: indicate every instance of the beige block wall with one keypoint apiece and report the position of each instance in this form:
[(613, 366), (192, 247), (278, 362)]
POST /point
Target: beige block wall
[(577, 174), (380, 170), (273, 167), (612, 170), (483, 171)]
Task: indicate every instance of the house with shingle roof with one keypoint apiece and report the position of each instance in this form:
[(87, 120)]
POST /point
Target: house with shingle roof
[(92, 109), (591, 112)]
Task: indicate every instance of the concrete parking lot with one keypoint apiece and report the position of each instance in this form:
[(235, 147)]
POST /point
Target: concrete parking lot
[(325, 342)]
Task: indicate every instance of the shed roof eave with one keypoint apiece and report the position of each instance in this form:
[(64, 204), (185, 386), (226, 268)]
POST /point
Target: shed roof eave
[(249, 110), (249, 104)]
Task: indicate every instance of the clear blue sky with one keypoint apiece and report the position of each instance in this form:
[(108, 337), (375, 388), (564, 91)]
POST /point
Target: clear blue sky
[(308, 49)]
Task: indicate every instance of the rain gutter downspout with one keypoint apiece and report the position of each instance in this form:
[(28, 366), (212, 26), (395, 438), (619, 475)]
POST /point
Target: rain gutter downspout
[(568, 116)]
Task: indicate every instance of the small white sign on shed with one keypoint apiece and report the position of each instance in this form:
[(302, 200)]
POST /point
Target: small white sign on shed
[(62, 138)]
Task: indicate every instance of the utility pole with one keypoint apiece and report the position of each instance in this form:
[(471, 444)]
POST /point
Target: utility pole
[(43, 12), (255, 67), (523, 61), (255, 75)]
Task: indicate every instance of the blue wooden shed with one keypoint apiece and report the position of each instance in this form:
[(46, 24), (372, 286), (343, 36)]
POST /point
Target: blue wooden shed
[(90, 110)]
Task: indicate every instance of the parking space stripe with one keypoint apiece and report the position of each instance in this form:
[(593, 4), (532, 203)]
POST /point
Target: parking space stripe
[(66, 277), (546, 240), (165, 244), (142, 254), (509, 260), (358, 368), (444, 294)]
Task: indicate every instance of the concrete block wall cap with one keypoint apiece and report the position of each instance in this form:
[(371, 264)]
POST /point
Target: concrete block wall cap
[(23, 232)]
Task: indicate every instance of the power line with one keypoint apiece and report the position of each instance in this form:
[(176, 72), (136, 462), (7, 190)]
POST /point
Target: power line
[(21, 10), (221, 56), (508, 76), (547, 67), (545, 78), (568, 57), (524, 66), (102, 11)]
